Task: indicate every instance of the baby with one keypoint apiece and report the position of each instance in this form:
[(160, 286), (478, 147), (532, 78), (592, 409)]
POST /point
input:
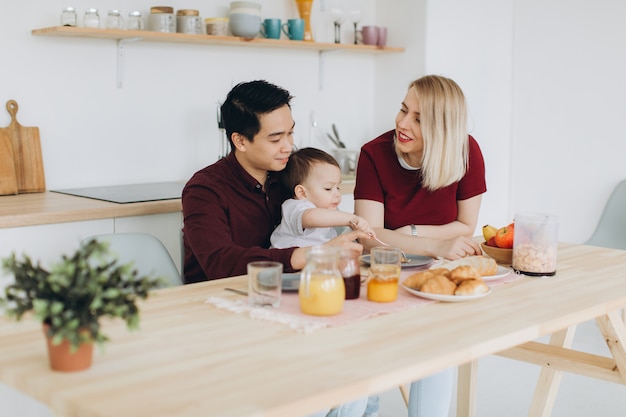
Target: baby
[(309, 217)]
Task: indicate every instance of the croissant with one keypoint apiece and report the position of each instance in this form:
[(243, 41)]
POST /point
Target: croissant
[(471, 287), (438, 284)]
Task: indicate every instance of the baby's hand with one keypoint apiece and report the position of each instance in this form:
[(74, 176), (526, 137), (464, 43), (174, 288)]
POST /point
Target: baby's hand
[(359, 223)]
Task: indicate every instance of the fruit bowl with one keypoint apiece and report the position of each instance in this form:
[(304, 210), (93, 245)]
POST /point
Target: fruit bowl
[(501, 255)]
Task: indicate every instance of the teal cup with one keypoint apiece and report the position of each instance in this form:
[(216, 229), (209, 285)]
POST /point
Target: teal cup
[(271, 28), (294, 29)]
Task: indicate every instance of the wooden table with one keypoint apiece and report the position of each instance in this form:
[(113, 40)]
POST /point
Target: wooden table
[(192, 359)]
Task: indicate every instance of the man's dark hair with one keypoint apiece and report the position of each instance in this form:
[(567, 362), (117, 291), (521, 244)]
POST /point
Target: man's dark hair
[(246, 102), (299, 166)]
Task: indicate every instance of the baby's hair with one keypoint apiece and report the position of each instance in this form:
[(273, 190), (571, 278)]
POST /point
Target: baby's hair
[(299, 166)]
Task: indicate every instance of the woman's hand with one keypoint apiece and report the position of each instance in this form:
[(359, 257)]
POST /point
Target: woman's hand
[(456, 248)]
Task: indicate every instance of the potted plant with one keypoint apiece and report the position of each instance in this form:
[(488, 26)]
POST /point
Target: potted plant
[(72, 296)]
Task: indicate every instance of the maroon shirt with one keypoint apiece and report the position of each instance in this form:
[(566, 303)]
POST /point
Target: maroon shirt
[(228, 220), (380, 177)]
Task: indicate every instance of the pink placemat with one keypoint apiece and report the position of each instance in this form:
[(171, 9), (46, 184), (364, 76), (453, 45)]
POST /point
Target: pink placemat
[(289, 313)]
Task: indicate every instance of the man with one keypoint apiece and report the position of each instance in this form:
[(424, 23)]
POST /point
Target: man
[(230, 208)]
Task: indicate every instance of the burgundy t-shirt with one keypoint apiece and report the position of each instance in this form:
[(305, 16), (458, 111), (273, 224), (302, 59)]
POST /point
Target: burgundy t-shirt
[(228, 220), (380, 177)]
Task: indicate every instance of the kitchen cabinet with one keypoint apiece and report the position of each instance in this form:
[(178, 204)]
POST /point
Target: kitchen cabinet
[(122, 37), (47, 242), (47, 225)]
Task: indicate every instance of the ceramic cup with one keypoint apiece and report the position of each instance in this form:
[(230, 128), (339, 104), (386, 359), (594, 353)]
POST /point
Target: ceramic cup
[(382, 36), (369, 35), (244, 25), (294, 29), (264, 283), (271, 28)]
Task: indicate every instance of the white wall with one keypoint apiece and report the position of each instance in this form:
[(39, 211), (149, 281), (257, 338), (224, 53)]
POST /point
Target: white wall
[(544, 82), (162, 124)]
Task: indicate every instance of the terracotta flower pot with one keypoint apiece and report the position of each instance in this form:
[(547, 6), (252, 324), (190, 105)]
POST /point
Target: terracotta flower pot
[(63, 359)]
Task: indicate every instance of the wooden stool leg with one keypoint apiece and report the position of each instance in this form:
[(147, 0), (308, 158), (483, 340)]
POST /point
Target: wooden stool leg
[(549, 379)]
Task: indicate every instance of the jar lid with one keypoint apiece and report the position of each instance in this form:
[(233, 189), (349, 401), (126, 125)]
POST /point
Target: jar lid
[(69, 9), (216, 20), (114, 12), (135, 13), (161, 9), (92, 10), (187, 12)]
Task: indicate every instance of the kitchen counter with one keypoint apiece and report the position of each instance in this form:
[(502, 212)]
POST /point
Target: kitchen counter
[(49, 207)]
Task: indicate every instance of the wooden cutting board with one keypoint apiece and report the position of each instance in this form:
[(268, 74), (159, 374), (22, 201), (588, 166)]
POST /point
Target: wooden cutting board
[(27, 156), (8, 182)]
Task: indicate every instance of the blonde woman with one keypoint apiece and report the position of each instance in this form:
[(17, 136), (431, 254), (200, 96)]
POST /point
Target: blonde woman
[(419, 187)]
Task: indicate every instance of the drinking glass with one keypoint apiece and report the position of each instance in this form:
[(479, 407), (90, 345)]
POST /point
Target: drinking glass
[(384, 274), (264, 283), (351, 273), (114, 20)]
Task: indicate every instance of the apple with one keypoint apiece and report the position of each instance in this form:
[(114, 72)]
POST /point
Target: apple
[(504, 236), (492, 241)]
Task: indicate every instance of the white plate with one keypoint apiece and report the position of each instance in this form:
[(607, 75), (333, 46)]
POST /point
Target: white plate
[(444, 297), (502, 271), (414, 261)]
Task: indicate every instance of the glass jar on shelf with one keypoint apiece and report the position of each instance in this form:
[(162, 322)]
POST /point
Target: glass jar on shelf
[(216, 26), (68, 17), (114, 20), (135, 21), (162, 19), (189, 21), (91, 18)]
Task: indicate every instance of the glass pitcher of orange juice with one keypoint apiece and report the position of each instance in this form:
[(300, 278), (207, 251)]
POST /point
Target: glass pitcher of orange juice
[(322, 290)]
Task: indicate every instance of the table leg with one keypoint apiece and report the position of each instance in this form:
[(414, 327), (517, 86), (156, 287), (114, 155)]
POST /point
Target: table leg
[(549, 379), (613, 329), (466, 389), (405, 394)]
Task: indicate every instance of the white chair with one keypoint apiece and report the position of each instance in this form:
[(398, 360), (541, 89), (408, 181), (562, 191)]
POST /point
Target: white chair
[(611, 229), (146, 252)]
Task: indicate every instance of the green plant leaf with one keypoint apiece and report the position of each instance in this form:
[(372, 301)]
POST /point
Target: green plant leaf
[(76, 292)]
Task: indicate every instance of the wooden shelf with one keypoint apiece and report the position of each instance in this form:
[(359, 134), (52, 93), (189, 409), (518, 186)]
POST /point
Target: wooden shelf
[(149, 36)]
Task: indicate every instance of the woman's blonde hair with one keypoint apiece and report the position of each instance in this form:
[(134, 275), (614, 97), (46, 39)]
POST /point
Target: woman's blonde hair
[(443, 120)]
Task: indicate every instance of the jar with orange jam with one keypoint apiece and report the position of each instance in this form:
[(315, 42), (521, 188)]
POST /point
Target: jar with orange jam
[(384, 274), (322, 290)]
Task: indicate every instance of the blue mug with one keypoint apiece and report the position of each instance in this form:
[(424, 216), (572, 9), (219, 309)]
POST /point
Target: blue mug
[(271, 28), (294, 29)]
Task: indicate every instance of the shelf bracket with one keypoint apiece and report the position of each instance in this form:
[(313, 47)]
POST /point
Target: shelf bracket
[(321, 62), (121, 46)]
